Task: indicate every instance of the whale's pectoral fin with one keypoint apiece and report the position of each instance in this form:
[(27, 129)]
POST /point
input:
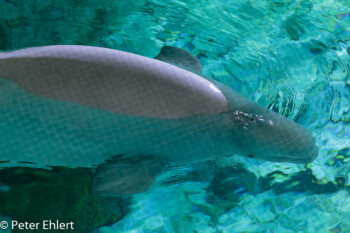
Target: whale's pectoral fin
[(126, 176), (180, 58)]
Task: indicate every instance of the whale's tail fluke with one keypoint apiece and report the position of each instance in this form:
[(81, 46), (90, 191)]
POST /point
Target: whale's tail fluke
[(126, 176)]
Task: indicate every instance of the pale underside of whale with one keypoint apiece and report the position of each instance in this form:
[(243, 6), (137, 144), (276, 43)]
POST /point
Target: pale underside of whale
[(153, 108)]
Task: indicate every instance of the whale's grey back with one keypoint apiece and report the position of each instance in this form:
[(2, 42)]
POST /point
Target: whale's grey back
[(111, 80)]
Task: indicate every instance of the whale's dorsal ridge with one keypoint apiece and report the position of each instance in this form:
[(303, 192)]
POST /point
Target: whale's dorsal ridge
[(181, 58), (74, 74)]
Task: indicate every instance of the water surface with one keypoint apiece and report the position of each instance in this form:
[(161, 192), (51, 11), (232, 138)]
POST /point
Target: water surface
[(289, 56)]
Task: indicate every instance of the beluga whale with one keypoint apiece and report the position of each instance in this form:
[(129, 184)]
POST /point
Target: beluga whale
[(129, 116)]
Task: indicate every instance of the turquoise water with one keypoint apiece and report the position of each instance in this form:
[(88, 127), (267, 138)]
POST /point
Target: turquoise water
[(289, 56)]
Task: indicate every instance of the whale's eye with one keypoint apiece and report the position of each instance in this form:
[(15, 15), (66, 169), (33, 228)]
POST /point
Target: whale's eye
[(252, 119), (250, 156)]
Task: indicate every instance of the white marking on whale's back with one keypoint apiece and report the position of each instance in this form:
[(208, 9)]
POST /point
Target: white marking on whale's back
[(112, 80)]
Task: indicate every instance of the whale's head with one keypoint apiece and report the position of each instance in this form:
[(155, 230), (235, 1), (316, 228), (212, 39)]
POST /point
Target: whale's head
[(254, 131), (264, 134)]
